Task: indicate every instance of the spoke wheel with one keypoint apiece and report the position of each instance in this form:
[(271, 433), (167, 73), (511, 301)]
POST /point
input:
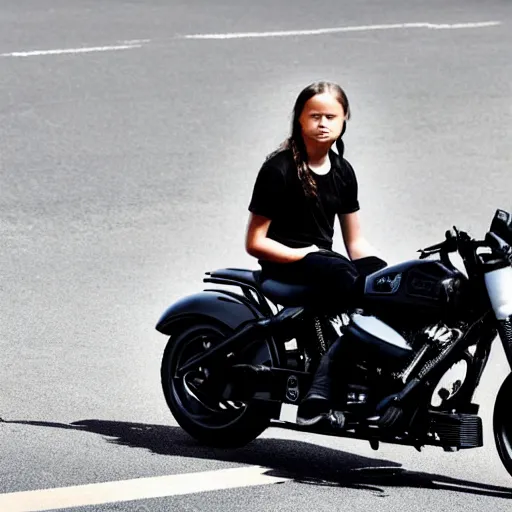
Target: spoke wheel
[(502, 423), (191, 391), (193, 399)]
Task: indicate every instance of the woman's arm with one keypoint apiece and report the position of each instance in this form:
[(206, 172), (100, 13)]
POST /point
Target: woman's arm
[(257, 243), (356, 244)]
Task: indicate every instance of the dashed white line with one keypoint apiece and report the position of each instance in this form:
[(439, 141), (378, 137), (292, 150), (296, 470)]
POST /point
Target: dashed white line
[(138, 43), (72, 50), (136, 489), (134, 41), (335, 30)]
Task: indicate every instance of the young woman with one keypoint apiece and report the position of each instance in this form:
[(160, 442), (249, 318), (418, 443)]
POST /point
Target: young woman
[(300, 190)]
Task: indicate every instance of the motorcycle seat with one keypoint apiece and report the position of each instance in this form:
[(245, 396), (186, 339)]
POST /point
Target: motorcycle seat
[(284, 294)]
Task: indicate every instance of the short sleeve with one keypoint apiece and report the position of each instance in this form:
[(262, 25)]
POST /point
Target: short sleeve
[(267, 194), (350, 197)]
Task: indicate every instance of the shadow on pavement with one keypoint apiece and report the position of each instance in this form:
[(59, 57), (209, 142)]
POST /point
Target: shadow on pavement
[(297, 460)]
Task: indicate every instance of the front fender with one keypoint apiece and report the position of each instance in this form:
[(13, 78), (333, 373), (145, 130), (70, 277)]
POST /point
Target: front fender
[(229, 309)]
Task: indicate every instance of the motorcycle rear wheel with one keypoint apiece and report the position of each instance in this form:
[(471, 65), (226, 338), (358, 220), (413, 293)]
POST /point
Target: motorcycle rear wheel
[(502, 423), (210, 421)]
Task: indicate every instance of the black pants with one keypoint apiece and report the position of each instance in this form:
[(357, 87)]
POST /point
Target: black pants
[(334, 280)]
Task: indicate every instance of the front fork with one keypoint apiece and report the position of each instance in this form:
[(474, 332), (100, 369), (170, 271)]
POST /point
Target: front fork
[(498, 282), (505, 333)]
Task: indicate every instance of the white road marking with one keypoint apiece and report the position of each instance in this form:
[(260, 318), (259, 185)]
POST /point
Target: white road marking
[(136, 489), (134, 41), (335, 30), (72, 50), (138, 43)]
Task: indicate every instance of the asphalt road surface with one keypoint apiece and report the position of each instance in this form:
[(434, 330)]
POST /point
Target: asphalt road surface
[(128, 152)]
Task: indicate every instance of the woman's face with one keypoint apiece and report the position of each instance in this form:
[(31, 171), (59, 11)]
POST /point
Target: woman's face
[(322, 119)]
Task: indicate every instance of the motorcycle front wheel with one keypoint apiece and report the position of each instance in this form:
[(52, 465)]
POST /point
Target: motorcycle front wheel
[(502, 423), (207, 418)]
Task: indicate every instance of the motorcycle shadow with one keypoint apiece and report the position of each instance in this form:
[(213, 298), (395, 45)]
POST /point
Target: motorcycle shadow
[(298, 461)]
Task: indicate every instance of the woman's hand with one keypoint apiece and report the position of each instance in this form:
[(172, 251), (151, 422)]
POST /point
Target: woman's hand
[(307, 250)]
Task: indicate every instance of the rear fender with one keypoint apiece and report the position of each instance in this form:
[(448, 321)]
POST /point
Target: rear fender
[(227, 308), (224, 307)]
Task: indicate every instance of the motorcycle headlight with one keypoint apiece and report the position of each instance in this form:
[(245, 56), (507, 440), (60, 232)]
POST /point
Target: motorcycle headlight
[(502, 225)]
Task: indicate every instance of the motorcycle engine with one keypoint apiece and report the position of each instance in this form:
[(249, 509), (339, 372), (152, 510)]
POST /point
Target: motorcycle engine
[(430, 346)]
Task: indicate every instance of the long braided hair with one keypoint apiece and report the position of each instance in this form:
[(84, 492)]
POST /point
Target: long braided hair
[(295, 141)]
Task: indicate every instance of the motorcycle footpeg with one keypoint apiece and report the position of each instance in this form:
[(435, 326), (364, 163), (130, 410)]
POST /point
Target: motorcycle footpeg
[(337, 419), (315, 420), (391, 415), (334, 419)]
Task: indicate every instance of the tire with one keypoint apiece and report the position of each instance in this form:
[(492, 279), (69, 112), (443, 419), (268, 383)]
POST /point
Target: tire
[(502, 423), (204, 418)]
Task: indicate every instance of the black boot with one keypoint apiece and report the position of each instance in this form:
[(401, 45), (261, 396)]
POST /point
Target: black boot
[(316, 405)]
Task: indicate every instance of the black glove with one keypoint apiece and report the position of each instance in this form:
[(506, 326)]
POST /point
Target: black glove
[(369, 265)]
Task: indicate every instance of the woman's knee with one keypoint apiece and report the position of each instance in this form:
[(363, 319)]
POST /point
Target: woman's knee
[(369, 265)]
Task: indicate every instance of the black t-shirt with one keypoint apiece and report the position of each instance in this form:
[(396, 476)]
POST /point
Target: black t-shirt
[(299, 220)]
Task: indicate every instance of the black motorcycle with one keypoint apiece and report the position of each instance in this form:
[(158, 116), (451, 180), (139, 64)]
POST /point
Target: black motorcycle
[(241, 356)]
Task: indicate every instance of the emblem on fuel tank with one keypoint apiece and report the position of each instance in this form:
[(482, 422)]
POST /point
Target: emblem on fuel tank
[(388, 283)]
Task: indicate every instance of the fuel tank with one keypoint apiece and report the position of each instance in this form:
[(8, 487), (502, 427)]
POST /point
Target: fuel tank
[(415, 290)]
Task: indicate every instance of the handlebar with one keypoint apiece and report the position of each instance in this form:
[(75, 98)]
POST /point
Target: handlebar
[(461, 242), (446, 246)]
